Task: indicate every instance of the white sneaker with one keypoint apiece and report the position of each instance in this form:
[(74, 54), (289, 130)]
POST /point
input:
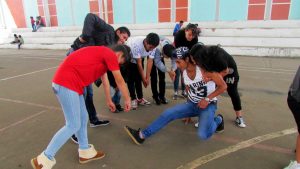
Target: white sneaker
[(239, 121), (175, 96), (293, 165), (197, 124), (143, 102), (134, 104)]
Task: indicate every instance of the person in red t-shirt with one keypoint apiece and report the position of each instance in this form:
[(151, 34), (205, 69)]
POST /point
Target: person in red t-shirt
[(80, 69), (32, 21)]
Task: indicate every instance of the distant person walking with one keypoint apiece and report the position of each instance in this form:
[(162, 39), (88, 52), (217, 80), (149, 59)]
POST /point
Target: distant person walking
[(33, 24)]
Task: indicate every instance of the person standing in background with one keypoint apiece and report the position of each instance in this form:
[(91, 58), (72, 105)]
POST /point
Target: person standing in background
[(177, 27), (33, 24)]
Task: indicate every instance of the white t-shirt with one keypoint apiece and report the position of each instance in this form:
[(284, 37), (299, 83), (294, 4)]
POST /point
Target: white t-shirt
[(198, 88), (138, 50)]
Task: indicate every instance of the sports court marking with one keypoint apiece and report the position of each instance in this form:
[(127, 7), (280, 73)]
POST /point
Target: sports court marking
[(216, 137), (242, 145), (22, 121), (30, 73), (261, 68), (267, 71), (45, 58), (30, 104), (30, 57)]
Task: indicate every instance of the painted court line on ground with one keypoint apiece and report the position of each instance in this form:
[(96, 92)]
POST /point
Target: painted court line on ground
[(22, 121), (30, 104), (270, 69), (266, 71), (242, 145), (46, 58), (12, 77), (216, 137)]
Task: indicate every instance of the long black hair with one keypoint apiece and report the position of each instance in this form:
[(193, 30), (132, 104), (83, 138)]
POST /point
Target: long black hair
[(209, 58)]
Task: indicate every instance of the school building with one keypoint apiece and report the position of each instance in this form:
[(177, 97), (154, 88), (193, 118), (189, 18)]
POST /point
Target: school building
[(59, 13)]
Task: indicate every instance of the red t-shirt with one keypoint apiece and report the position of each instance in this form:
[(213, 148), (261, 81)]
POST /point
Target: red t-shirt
[(84, 66)]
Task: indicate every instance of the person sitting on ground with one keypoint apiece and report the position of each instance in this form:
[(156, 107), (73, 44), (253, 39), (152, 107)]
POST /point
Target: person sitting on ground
[(78, 70), (201, 85), (39, 22), (21, 41), (16, 39)]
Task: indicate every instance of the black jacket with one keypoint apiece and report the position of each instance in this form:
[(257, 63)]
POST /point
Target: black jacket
[(96, 32), (181, 41)]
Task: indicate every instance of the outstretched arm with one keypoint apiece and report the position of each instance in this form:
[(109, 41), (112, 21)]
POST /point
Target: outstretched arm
[(123, 88), (106, 86)]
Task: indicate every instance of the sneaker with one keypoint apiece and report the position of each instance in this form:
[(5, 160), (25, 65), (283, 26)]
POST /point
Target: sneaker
[(134, 135), (74, 139), (143, 102), (184, 94), (175, 96), (163, 100), (293, 165), (239, 121), (99, 123), (118, 108), (220, 127), (197, 125), (134, 104), (156, 100)]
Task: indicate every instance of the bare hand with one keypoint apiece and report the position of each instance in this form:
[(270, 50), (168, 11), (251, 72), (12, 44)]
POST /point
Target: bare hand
[(145, 83), (111, 106), (203, 104), (172, 75), (127, 105)]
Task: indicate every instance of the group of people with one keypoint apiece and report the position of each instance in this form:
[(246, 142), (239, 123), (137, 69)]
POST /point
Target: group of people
[(18, 40), (37, 23), (111, 58)]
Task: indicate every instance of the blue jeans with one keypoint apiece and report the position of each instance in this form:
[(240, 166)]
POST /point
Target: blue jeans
[(75, 113), (115, 95), (176, 81), (208, 123), (33, 27)]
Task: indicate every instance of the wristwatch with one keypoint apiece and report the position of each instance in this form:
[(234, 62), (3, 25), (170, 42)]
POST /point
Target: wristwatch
[(207, 99)]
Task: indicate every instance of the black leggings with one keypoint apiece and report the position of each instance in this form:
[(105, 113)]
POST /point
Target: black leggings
[(134, 82), (295, 108), (162, 83), (232, 90)]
